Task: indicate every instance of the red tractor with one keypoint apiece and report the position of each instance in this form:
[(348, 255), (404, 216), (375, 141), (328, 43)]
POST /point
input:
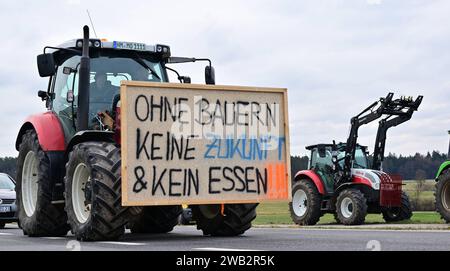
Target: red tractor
[(69, 164), (341, 180)]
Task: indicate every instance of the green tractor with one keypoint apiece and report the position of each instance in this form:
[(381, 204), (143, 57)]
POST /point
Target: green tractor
[(442, 194)]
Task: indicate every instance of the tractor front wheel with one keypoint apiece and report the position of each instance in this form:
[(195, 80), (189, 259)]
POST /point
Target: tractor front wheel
[(395, 214), (93, 192), (351, 207), (305, 205), (224, 220), (442, 195)]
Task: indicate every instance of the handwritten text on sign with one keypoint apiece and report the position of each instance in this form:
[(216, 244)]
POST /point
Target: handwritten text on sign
[(197, 144)]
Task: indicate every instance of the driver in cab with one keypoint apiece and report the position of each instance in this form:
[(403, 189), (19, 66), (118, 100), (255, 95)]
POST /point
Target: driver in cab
[(101, 95)]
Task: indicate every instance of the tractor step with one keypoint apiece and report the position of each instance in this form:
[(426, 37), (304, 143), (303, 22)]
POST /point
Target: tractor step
[(325, 205)]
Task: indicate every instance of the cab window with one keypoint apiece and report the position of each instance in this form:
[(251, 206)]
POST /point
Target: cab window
[(66, 84)]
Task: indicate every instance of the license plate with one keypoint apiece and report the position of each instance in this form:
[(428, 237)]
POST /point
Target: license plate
[(129, 45), (5, 209)]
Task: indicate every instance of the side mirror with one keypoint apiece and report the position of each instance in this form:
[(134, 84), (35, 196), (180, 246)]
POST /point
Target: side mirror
[(43, 95), (210, 75), (185, 79), (46, 65)]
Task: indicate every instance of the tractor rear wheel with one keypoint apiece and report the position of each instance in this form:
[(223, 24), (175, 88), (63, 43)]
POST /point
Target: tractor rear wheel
[(395, 214), (442, 195), (305, 205), (156, 219), (37, 215), (224, 220), (351, 207), (93, 192)]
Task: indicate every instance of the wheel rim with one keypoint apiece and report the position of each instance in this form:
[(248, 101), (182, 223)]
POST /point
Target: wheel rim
[(209, 211), (30, 183), (300, 202), (445, 196), (81, 207), (347, 207)]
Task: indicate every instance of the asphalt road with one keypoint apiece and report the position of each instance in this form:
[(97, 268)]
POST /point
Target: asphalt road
[(187, 238)]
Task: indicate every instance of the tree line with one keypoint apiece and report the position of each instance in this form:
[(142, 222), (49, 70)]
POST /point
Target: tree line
[(413, 167)]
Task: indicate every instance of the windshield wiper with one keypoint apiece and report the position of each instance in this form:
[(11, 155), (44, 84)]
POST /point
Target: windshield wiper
[(141, 62)]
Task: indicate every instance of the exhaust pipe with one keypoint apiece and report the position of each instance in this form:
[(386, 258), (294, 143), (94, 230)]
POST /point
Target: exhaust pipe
[(83, 84)]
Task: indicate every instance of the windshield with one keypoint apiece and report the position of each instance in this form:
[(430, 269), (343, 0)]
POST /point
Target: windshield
[(6, 183), (108, 69), (360, 158)]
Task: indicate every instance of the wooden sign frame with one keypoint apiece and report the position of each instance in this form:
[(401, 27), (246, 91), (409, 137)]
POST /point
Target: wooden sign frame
[(124, 138)]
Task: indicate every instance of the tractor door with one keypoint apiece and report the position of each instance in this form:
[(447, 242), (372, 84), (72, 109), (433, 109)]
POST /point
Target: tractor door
[(322, 164), (65, 89)]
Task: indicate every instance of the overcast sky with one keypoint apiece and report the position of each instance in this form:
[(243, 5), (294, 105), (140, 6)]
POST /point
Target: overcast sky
[(335, 56)]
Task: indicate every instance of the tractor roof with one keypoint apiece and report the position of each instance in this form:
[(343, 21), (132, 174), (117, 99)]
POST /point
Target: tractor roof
[(324, 145), (117, 45)]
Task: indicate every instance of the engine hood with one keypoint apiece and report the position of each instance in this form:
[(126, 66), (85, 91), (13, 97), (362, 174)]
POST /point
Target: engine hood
[(369, 177)]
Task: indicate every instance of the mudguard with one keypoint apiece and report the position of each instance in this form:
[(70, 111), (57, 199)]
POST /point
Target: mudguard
[(48, 128), (310, 174), (90, 135), (443, 167)]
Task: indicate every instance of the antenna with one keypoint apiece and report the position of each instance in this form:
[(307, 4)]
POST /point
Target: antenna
[(92, 24)]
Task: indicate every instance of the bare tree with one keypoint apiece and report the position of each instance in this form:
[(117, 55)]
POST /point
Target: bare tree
[(419, 187)]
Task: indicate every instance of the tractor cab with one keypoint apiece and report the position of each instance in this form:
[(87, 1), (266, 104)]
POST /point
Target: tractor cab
[(321, 160), (109, 63)]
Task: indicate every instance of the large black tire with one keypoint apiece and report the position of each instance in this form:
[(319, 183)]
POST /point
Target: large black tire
[(156, 219), (47, 219), (353, 213), (2, 225), (442, 195), (301, 189), (105, 218), (336, 218), (395, 214), (233, 220)]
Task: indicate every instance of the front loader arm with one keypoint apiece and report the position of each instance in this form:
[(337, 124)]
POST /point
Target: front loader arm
[(403, 111), (371, 113)]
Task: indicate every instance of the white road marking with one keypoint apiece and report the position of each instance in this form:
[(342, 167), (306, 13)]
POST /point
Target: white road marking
[(6, 233), (222, 249), (54, 238), (123, 243)]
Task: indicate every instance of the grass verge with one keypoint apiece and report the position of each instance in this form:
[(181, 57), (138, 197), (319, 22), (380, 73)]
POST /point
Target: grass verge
[(278, 213)]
